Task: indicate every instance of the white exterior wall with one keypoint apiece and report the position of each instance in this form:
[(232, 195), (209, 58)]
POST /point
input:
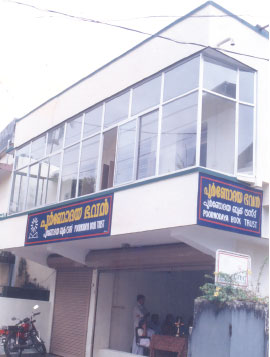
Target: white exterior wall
[(13, 232), (156, 205)]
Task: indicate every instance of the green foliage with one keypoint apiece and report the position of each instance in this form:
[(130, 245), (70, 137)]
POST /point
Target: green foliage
[(228, 290)]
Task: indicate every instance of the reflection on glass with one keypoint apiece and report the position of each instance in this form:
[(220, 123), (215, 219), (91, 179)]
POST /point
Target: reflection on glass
[(55, 139), (19, 190), (181, 79), (88, 166), (22, 156), (147, 145), (125, 152), (245, 140), (219, 78), (92, 121), (53, 177), (32, 186), (73, 130), (38, 148), (246, 86), (108, 158), (218, 133), (116, 109), (178, 135), (69, 173), (146, 95), (42, 182)]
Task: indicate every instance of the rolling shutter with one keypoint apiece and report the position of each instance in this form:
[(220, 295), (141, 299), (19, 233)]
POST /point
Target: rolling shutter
[(71, 308)]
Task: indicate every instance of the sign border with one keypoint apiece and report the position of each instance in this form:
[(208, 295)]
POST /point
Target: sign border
[(213, 224), (93, 235), (235, 254)]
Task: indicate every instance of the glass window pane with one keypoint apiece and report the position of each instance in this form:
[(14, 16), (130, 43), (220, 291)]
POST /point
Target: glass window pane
[(147, 145), (88, 166), (92, 121), (116, 109), (22, 156), (125, 152), (246, 86), (73, 130), (69, 173), (53, 178), (178, 135), (245, 140), (32, 186), (42, 182), (108, 158), (182, 79), (218, 133), (55, 139), (38, 148), (18, 190), (219, 78), (146, 95)]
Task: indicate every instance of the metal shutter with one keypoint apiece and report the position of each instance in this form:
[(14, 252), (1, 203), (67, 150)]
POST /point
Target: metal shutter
[(71, 308)]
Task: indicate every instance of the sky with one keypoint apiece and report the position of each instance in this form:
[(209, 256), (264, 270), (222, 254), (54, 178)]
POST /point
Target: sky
[(44, 52)]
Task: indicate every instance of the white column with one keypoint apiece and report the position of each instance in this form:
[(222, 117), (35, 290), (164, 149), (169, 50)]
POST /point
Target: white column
[(92, 313)]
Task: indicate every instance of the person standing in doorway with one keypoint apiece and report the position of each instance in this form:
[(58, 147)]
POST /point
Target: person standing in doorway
[(139, 312)]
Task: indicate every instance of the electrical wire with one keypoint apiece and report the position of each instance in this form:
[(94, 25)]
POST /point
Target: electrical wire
[(134, 30)]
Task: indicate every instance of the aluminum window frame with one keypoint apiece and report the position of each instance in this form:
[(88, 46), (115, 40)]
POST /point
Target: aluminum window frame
[(202, 55)]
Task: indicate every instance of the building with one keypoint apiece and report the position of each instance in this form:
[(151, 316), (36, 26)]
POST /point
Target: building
[(130, 180)]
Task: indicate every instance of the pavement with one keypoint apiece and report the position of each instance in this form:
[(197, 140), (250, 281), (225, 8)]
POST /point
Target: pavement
[(27, 354), (33, 355)]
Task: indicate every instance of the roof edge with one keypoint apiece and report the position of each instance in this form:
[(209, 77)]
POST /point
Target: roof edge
[(263, 33)]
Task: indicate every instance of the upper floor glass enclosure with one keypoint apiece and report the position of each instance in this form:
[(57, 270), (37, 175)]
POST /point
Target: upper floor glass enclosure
[(199, 112)]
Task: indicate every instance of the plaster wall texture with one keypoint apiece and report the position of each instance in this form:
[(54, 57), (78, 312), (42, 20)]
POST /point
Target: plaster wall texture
[(13, 232), (227, 333), (160, 205)]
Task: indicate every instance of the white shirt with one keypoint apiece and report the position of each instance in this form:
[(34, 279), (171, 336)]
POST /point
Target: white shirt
[(138, 313)]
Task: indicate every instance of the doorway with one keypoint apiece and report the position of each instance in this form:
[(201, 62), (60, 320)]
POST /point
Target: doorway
[(166, 292)]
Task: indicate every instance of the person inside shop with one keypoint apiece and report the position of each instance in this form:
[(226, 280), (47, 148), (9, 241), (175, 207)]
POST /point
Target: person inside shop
[(139, 312), (154, 324), (143, 336), (168, 327)]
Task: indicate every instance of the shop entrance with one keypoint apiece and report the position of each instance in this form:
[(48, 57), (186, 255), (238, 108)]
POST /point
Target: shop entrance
[(166, 291)]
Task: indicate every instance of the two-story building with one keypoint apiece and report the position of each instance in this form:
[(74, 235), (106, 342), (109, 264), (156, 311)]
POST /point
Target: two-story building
[(129, 181)]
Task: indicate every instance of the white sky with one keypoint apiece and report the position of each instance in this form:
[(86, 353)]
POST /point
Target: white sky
[(43, 53)]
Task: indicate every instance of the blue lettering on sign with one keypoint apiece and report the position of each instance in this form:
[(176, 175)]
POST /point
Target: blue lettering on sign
[(228, 205), (86, 219)]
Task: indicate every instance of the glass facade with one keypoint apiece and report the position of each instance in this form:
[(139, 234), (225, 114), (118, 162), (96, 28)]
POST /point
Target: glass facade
[(198, 112)]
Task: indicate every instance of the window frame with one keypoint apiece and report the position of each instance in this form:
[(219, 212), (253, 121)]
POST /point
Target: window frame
[(202, 55)]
